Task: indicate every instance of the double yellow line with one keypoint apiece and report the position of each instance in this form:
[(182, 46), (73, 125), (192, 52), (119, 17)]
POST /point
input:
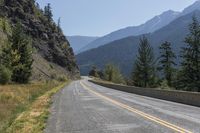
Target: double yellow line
[(131, 109)]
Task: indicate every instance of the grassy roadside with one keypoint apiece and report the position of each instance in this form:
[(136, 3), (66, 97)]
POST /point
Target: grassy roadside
[(25, 108)]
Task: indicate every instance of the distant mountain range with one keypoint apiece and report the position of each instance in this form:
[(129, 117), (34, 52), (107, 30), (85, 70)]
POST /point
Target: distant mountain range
[(191, 8), (150, 26), (123, 52), (78, 42)]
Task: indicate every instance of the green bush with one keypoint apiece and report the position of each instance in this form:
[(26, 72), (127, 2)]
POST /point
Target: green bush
[(5, 25), (94, 72), (113, 74), (53, 76), (164, 85), (5, 75), (62, 78)]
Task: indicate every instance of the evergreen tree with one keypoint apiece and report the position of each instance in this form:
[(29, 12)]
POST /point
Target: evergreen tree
[(143, 74), (6, 63), (22, 55), (5, 26), (190, 72), (59, 25), (48, 12), (167, 62), (6, 56), (1, 2), (5, 75)]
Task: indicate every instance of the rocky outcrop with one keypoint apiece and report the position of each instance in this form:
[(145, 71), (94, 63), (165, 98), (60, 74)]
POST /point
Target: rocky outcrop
[(48, 40)]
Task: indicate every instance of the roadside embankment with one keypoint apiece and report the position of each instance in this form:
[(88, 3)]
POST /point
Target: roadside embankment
[(189, 98), (25, 108)]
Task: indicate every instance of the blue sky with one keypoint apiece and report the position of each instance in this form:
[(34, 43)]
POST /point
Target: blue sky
[(99, 17)]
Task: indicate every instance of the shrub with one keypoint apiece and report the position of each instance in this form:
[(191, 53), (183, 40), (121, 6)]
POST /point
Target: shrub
[(164, 85), (113, 74), (94, 72), (53, 76), (5, 75), (62, 78)]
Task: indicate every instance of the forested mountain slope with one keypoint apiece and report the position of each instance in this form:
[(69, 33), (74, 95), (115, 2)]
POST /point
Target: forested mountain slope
[(123, 52), (52, 52)]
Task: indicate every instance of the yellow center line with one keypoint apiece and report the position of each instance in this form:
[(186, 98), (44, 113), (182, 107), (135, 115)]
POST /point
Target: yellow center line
[(145, 115)]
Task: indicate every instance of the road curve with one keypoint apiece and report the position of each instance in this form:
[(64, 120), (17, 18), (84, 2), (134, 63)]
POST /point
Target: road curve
[(84, 107)]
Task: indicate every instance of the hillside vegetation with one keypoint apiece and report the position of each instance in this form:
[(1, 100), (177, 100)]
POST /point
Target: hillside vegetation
[(36, 61), (15, 99), (51, 48), (123, 52), (167, 67)]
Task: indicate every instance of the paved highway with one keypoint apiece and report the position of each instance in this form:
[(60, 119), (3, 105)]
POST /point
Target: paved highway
[(83, 107)]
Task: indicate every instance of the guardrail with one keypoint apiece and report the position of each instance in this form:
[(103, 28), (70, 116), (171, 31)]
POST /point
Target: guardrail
[(189, 98)]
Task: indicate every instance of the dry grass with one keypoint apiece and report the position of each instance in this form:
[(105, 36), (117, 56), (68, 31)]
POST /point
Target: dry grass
[(15, 99)]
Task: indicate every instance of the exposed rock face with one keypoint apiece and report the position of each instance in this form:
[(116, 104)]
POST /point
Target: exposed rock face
[(49, 42)]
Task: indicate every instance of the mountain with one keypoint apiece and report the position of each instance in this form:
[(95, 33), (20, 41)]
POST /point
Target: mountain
[(123, 52), (150, 26), (78, 42), (191, 8), (53, 55)]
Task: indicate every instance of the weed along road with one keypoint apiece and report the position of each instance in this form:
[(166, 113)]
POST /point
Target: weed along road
[(84, 107)]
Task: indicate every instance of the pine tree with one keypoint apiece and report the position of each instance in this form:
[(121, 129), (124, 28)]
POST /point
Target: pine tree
[(190, 72), (5, 26), (167, 62), (22, 55), (59, 25), (48, 12), (1, 2), (5, 74), (143, 74), (6, 55)]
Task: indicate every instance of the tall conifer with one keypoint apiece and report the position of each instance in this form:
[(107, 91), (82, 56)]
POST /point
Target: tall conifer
[(143, 74)]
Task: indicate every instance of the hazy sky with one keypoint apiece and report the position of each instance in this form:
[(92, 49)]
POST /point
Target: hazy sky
[(99, 17)]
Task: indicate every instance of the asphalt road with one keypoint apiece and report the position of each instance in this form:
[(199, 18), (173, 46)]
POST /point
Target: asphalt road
[(83, 107)]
